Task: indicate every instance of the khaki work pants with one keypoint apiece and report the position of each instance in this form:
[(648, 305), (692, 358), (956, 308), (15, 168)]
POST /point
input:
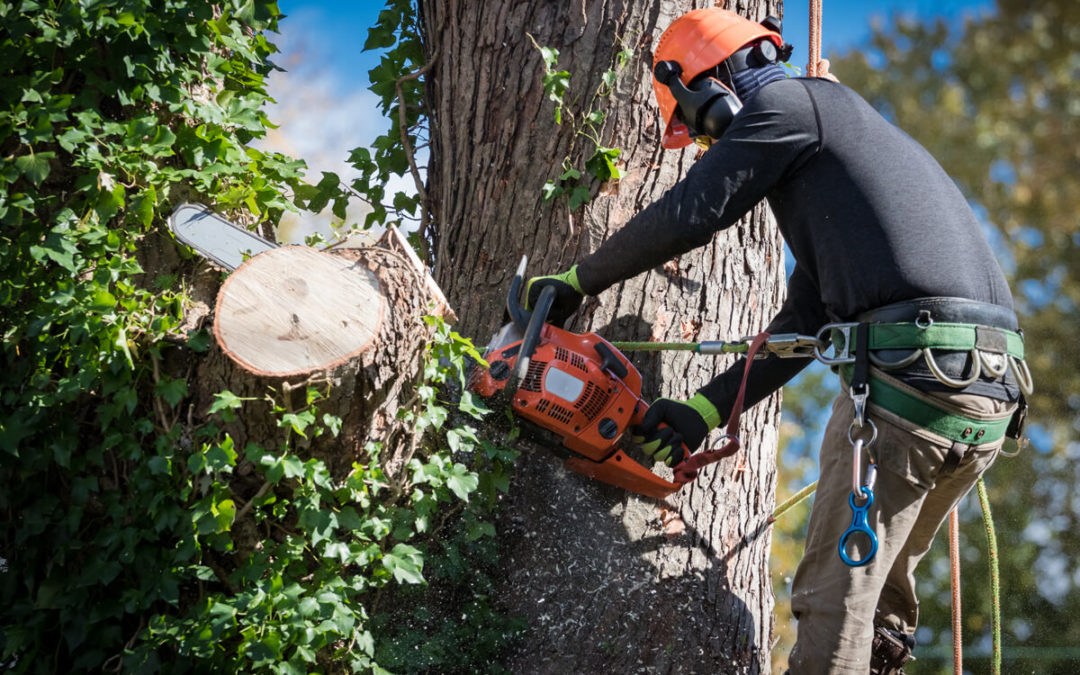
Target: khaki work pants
[(836, 606)]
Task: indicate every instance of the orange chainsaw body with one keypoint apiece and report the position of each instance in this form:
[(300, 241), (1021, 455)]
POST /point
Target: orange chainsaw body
[(585, 391)]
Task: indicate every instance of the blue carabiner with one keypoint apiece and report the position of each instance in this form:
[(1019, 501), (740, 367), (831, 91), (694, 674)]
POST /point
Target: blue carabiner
[(859, 524)]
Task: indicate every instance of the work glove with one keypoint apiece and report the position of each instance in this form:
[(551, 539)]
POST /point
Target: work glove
[(568, 295), (688, 423)]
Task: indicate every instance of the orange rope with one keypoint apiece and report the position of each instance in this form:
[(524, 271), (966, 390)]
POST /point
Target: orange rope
[(954, 558), (815, 38)]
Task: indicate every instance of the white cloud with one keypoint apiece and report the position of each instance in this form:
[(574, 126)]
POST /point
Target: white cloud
[(322, 115)]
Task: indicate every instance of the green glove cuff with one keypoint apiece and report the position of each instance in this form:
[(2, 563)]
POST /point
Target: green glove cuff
[(570, 277), (706, 409)]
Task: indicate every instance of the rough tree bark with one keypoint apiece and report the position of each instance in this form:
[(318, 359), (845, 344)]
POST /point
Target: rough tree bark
[(609, 582)]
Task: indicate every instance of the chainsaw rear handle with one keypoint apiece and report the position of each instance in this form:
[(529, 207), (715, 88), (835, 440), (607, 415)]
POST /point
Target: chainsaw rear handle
[(639, 417)]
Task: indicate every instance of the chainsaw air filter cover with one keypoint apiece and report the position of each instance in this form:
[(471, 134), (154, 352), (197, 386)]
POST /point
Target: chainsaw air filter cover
[(577, 386)]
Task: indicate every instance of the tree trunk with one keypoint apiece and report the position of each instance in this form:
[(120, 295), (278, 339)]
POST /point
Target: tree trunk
[(608, 582)]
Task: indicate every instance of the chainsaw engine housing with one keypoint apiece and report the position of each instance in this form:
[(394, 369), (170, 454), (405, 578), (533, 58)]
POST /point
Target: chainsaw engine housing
[(576, 386)]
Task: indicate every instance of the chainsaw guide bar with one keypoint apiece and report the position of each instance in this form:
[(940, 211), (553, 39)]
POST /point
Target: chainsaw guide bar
[(214, 237)]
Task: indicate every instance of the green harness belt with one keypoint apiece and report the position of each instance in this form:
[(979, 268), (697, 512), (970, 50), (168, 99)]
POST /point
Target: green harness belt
[(916, 409), (952, 336)]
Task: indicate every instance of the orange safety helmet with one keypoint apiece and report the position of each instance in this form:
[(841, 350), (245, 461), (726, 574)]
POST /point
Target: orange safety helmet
[(699, 41)]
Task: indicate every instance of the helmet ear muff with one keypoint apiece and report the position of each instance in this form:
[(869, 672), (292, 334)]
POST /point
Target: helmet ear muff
[(706, 105)]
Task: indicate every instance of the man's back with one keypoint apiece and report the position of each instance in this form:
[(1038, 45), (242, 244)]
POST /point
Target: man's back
[(868, 213)]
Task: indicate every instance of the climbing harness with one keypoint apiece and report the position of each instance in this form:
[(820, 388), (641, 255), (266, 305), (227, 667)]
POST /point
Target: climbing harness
[(852, 347)]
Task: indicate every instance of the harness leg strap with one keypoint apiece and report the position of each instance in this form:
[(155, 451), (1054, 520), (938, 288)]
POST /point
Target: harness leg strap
[(956, 455)]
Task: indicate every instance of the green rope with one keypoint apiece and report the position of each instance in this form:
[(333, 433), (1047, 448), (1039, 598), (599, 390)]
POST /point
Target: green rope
[(793, 500), (701, 347), (995, 586)]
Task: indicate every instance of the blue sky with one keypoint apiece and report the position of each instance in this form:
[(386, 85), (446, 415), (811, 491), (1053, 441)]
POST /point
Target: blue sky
[(846, 23), (324, 108)]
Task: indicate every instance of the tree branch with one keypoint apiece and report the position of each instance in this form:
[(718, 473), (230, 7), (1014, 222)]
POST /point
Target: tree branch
[(402, 111)]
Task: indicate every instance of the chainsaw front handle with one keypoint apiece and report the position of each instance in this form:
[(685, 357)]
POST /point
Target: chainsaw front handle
[(518, 314), (532, 334)]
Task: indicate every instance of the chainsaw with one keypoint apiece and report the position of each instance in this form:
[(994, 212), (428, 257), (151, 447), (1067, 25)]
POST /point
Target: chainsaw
[(576, 386)]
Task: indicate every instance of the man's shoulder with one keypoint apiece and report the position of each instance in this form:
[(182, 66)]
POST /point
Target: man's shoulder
[(789, 96), (787, 90)]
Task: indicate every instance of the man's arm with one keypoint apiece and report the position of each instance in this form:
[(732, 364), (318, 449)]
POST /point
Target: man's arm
[(802, 312), (769, 139)]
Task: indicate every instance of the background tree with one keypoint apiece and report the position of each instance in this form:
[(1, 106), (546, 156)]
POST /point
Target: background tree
[(527, 158)]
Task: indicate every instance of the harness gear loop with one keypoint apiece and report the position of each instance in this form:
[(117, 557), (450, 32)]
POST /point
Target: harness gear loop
[(899, 363), (976, 369), (1022, 374), (995, 365)]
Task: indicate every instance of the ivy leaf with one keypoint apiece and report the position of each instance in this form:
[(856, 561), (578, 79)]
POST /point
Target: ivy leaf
[(405, 563), (477, 529), (602, 163), (551, 190), (294, 468), (161, 145), (580, 195), (199, 341), (461, 481), (224, 514), (555, 85), (608, 78), (297, 421), (172, 390), (550, 56), (225, 400), (59, 249), (35, 166), (102, 301), (380, 37), (333, 423)]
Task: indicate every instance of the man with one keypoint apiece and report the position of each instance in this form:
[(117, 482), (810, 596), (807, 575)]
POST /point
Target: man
[(882, 238)]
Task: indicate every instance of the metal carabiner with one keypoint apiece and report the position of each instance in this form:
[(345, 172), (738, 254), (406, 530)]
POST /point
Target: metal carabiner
[(1022, 374), (842, 353), (792, 345), (859, 525)]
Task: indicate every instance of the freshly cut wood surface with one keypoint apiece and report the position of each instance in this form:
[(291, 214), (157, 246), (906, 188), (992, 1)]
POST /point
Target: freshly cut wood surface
[(293, 310)]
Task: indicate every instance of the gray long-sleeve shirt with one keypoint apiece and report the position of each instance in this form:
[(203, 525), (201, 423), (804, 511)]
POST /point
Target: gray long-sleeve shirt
[(869, 215)]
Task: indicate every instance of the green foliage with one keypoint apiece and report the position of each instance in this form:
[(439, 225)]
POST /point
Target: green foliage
[(399, 84), (588, 123), (135, 533), (311, 588)]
